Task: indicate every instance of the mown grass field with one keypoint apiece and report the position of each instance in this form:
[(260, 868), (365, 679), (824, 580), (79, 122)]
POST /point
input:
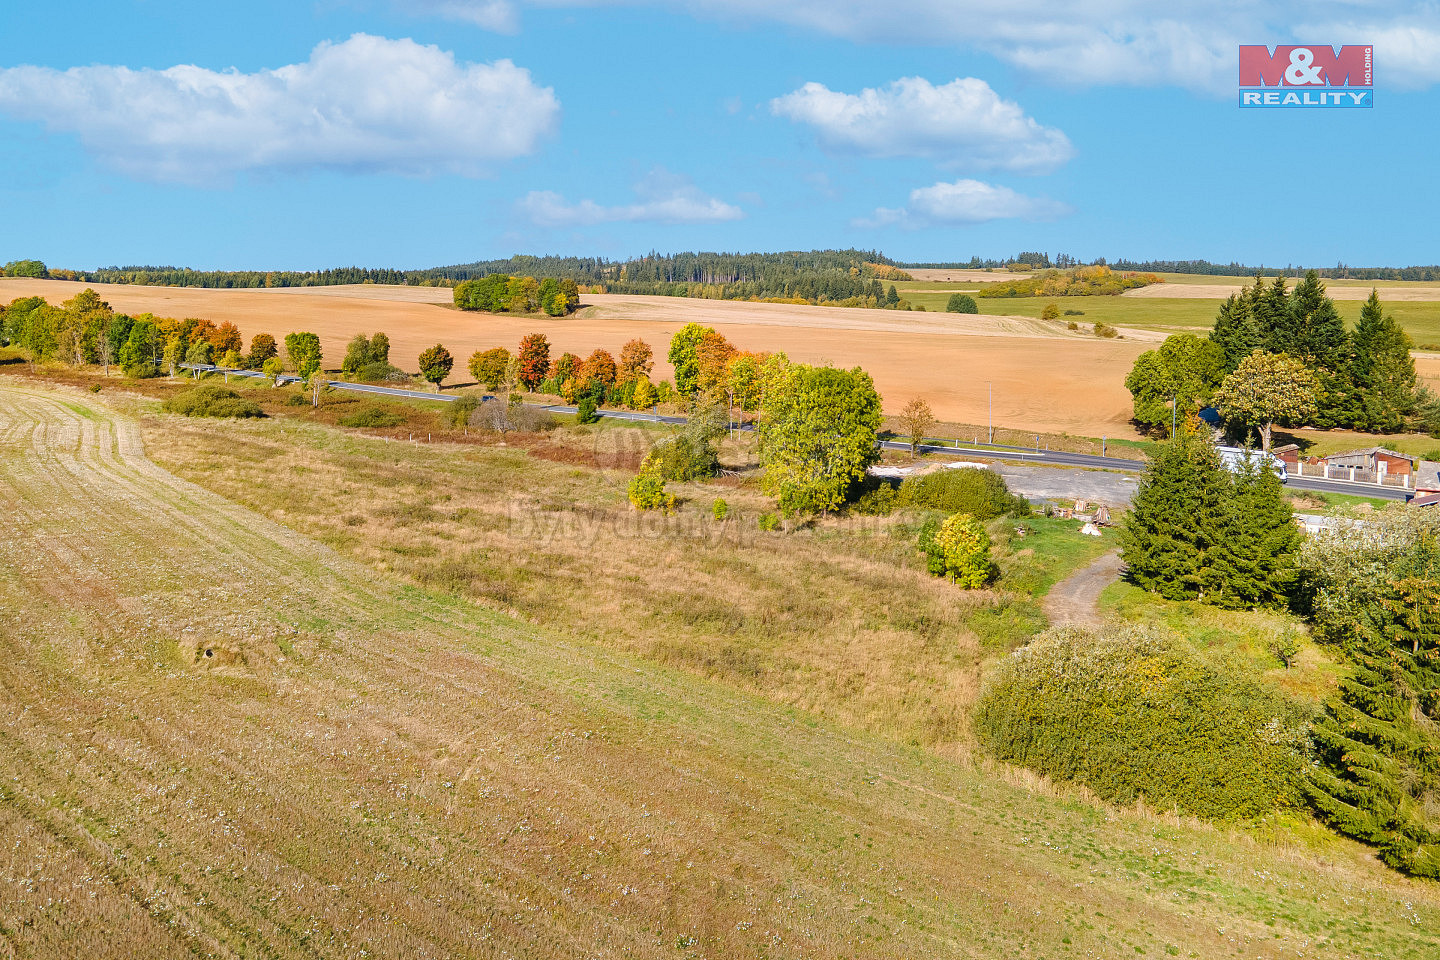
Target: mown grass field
[(364, 764)]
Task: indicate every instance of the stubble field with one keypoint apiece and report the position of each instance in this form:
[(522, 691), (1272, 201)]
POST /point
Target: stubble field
[(219, 737)]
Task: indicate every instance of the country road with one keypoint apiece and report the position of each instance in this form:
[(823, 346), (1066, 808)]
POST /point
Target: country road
[(1077, 487)]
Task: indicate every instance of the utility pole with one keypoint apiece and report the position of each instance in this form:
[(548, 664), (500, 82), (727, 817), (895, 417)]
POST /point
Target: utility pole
[(991, 385)]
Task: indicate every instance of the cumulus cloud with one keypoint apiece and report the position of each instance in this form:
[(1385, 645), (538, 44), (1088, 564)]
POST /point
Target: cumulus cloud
[(1185, 43), (965, 202), (961, 123), (367, 104), (661, 197)]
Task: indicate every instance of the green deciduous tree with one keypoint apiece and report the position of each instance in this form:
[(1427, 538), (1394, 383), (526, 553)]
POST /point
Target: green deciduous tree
[(303, 352), (1266, 389), (684, 358), (960, 550), (961, 303), (1185, 371), (817, 432), (436, 364)]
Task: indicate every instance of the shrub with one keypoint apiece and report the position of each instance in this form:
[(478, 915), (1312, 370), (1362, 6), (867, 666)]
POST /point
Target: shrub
[(459, 413), (961, 303), (877, 499), (1050, 312), (980, 493), (380, 373), (1072, 325), (1140, 714), (720, 509), (959, 549), (585, 411), (1074, 313), (211, 400), (647, 491), (272, 367), (373, 415), (1105, 330), (768, 521)]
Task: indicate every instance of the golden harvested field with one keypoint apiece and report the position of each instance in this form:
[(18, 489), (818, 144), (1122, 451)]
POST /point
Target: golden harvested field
[(1045, 377), (221, 738)]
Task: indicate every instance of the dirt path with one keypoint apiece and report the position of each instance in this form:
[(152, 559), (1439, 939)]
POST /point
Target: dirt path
[(1075, 601)]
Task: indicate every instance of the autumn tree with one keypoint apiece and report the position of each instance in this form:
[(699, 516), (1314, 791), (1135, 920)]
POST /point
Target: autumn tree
[(534, 360), (262, 348), (488, 367), (435, 364), (600, 368), (959, 549), (568, 367), (712, 362), (636, 361), (817, 433), (225, 338), (916, 420), (1266, 389)]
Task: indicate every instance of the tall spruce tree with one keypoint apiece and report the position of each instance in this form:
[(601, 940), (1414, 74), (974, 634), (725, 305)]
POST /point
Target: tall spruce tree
[(1377, 744), (1270, 312), (1383, 370), (1259, 543), (1169, 539), (1234, 332), (1315, 335)]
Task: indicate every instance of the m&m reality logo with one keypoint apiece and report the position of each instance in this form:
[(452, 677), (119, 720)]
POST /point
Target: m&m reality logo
[(1309, 76)]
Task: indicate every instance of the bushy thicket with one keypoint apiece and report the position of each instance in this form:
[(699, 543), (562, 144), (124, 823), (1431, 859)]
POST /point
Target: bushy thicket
[(1080, 282), (372, 415), (211, 400), (1139, 713), (980, 493)]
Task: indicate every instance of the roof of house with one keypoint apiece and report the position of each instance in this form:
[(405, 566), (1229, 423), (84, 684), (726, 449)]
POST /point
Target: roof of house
[(1369, 452), (1428, 500), (1427, 475)]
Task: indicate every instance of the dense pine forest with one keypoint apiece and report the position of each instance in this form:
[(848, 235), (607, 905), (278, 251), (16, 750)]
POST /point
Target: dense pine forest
[(815, 275)]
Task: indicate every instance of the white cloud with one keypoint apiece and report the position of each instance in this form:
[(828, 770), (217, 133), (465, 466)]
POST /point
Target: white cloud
[(1184, 43), (662, 197), (498, 15), (367, 104), (961, 123), (965, 202)]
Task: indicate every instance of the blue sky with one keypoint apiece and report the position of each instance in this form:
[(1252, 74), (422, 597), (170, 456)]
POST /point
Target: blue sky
[(304, 135)]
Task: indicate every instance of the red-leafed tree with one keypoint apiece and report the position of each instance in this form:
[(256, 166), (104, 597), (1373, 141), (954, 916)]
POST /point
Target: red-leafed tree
[(534, 360)]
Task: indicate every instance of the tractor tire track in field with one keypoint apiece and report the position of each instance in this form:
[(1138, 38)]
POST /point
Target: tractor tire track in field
[(219, 738)]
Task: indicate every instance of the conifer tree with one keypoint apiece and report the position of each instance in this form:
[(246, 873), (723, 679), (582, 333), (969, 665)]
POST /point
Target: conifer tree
[(1234, 332), (1169, 538), (1377, 742), (1259, 543), (1384, 371)]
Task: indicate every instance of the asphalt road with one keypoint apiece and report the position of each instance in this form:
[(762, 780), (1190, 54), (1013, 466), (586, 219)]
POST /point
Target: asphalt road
[(1039, 458)]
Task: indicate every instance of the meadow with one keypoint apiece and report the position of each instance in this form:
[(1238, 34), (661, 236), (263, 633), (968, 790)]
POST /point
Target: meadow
[(222, 731)]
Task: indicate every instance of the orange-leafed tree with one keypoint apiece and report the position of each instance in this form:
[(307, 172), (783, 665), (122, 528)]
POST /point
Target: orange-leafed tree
[(712, 358), (636, 361), (601, 366), (534, 359)]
